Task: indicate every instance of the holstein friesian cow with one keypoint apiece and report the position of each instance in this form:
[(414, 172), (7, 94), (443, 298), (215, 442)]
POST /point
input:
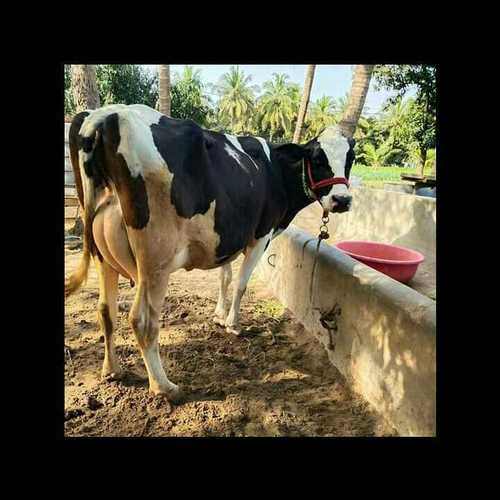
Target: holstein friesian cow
[(160, 194)]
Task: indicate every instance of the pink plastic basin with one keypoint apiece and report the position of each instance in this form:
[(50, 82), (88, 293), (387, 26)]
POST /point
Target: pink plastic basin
[(399, 263)]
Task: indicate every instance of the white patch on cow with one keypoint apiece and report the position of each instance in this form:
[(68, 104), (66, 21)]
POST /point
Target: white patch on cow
[(234, 141), (158, 380), (137, 145), (97, 116), (136, 140), (336, 147), (234, 154), (148, 115), (252, 257), (179, 259), (265, 147), (226, 275)]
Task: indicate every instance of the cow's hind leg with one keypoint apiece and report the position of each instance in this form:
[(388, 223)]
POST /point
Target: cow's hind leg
[(106, 312), (144, 318), (252, 257), (220, 313)]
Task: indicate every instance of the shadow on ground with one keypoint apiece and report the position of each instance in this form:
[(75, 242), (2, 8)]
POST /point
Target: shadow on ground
[(274, 380)]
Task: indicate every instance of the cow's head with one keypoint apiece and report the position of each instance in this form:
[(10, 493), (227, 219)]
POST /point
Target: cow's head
[(324, 165), (331, 158)]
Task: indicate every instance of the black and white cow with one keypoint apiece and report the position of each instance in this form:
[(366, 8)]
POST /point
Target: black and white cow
[(160, 194)]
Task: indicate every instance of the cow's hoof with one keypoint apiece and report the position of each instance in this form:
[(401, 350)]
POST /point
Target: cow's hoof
[(174, 396), (109, 375), (235, 330), (219, 321), (177, 397)]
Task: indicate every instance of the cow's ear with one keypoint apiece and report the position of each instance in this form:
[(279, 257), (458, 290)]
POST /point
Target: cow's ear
[(291, 153), (312, 144)]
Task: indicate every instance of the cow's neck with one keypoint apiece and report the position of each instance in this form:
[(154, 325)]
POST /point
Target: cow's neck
[(296, 197)]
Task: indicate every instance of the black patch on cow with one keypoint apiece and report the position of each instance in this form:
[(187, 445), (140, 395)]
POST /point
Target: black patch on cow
[(350, 157), (87, 143), (131, 190), (275, 199), (74, 145), (289, 160), (181, 144), (253, 195), (95, 166), (203, 171)]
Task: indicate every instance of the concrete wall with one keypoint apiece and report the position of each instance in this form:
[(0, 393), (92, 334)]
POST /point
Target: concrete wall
[(387, 217), (385, 333), (380, 215)]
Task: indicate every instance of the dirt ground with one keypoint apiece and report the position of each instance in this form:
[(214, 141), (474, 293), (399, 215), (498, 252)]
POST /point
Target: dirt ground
[(273, 380)]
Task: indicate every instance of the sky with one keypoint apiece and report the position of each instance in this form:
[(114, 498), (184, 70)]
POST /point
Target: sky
[(332, 80)]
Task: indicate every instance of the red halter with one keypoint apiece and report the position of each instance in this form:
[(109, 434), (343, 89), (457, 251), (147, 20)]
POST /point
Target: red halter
[(325, 182)]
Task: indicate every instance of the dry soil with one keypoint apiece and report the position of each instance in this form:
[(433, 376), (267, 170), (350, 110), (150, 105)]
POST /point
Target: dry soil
[(273, 380)]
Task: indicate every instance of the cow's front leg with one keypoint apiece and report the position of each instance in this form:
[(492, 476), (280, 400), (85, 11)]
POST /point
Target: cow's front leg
[(220, 313), (252, 257)]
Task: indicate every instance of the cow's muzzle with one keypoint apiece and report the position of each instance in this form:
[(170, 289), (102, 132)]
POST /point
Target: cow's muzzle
[(341, 203)]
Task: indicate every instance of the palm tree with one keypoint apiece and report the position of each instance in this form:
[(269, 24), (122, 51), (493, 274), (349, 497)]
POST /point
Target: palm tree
[(188, 99), (304, 103), (84, 87), (164, 89), (295, 92), (237, 99), (395, 115), (276, 106), (366, 131), (322, 115), (378, 156), (189, 75), (341, 105), (359, 89)]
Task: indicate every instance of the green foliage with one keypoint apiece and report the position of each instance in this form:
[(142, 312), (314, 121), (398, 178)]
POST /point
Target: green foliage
[(377, 156), (375, 177), (237, 100), (321, 114), (341, 105), (188, 98), (126, 84), (69, 105), (431, 159), (117, 84), (400, 78), (269, 308), (277, 108), (403, 134)]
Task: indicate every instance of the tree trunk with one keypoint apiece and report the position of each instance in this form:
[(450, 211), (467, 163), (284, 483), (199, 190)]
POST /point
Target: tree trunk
[(84, 87), (164, 88), (304, 102), (357, 97), (423, 159), (86, 96)]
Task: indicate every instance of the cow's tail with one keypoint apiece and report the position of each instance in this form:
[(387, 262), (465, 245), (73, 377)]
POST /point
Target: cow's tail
[(84, 153)]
